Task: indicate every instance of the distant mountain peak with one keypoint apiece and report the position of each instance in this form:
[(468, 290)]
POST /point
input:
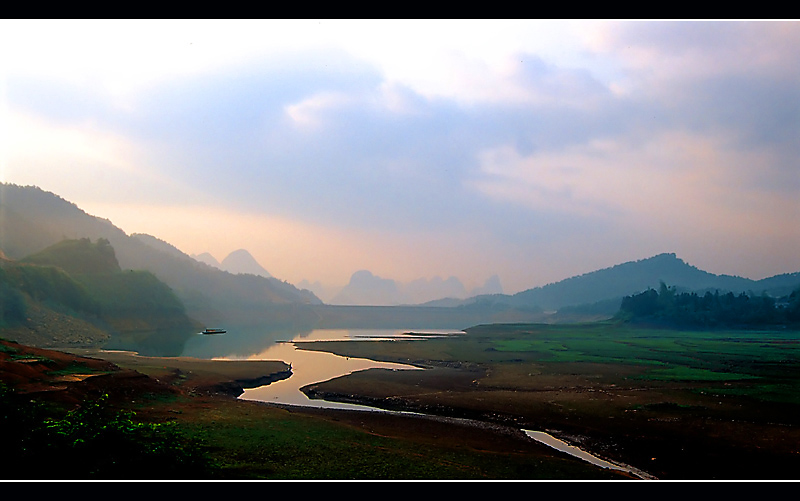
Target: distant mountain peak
[(31, 220), (241, 261), (627, 278), (207, 259), (362, 276), (365, 288), (491, 286)]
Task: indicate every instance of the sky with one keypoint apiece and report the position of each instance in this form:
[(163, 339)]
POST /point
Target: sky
[(530, 150)]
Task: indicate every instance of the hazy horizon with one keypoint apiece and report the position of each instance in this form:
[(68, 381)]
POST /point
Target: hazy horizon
[(530, 150)]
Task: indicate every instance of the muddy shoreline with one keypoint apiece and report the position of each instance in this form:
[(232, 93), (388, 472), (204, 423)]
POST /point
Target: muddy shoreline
[(670, 441), (492, 422)]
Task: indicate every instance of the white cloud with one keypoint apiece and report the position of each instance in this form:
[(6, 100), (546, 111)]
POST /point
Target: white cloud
[(310, 112), (405, 105), (676, 182), (82, 161), (656, 55), (124, 55), (466, 60)]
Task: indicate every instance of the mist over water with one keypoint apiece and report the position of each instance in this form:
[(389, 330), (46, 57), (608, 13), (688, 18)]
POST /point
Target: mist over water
[(262, 343), (238, 342), (309, 367)]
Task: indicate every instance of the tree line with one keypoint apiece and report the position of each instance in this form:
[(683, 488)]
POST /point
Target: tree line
[(710, 310)]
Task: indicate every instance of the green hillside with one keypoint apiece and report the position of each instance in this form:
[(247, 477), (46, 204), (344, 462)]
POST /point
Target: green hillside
[(598, 294), (32, 219), (624, 279), (44, 306), (136, 301), (78, 257), (81, 283), (50, 286)]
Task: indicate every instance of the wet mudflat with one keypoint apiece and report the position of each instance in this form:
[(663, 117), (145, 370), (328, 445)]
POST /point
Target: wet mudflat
[(250, 440), (677, 405)]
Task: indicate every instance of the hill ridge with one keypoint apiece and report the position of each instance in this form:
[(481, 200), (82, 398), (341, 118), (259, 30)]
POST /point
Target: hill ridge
[(606, 287), (32, 219)]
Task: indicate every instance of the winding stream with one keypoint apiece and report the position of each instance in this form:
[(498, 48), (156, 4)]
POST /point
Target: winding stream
[(310, 367), (577, 452)]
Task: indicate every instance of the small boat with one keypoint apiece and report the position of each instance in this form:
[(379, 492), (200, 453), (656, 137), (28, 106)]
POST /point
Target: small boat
[(214, 331)]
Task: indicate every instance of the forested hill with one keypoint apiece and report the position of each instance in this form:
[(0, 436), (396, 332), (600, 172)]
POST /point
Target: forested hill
[(32, 219), (72, 291), (599, 293), (628, 278), (78, 257), (710, 310)]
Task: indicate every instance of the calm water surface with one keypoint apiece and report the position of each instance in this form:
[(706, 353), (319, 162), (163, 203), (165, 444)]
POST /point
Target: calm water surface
[(310, 367)]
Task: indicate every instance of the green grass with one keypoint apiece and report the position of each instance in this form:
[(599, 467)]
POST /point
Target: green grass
[(91, 442), (75, 369), (31, 358), (7, 349), (699, 401), (668, 355), (690, 374), (768, 392), (275, 445), (718, 352)]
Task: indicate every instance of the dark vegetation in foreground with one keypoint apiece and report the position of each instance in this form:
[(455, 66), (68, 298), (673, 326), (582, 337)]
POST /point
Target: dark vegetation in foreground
[(60, 421), (688, 400), (91, 442), (70, 417)]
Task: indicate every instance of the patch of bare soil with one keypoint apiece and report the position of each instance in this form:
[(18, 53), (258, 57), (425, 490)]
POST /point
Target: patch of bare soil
[(71, 378), (191, 390), (199, 375), (667, 430), (47, 328)]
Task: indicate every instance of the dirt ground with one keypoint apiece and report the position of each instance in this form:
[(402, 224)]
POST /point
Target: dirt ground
[(199, 390), (663, 429)]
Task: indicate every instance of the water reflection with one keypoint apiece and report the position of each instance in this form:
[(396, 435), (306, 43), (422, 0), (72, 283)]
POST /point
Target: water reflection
[(164, 343), (239, 341), (309, 367), (555, 443), (577, 452), (264, 343)]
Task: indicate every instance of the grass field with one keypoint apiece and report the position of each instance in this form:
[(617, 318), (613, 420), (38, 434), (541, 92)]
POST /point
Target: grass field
[(253, 441), (678, 404), (175, 418)]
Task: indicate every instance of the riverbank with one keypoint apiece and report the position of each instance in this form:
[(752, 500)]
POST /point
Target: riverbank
[(229, 377), (647, 398), (480, 420), (249, 440)]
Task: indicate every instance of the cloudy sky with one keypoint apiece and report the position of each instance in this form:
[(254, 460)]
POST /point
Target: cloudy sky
[(531, 150)]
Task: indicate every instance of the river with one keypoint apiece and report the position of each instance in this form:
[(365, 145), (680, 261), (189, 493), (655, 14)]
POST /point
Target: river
[(308, 367)]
